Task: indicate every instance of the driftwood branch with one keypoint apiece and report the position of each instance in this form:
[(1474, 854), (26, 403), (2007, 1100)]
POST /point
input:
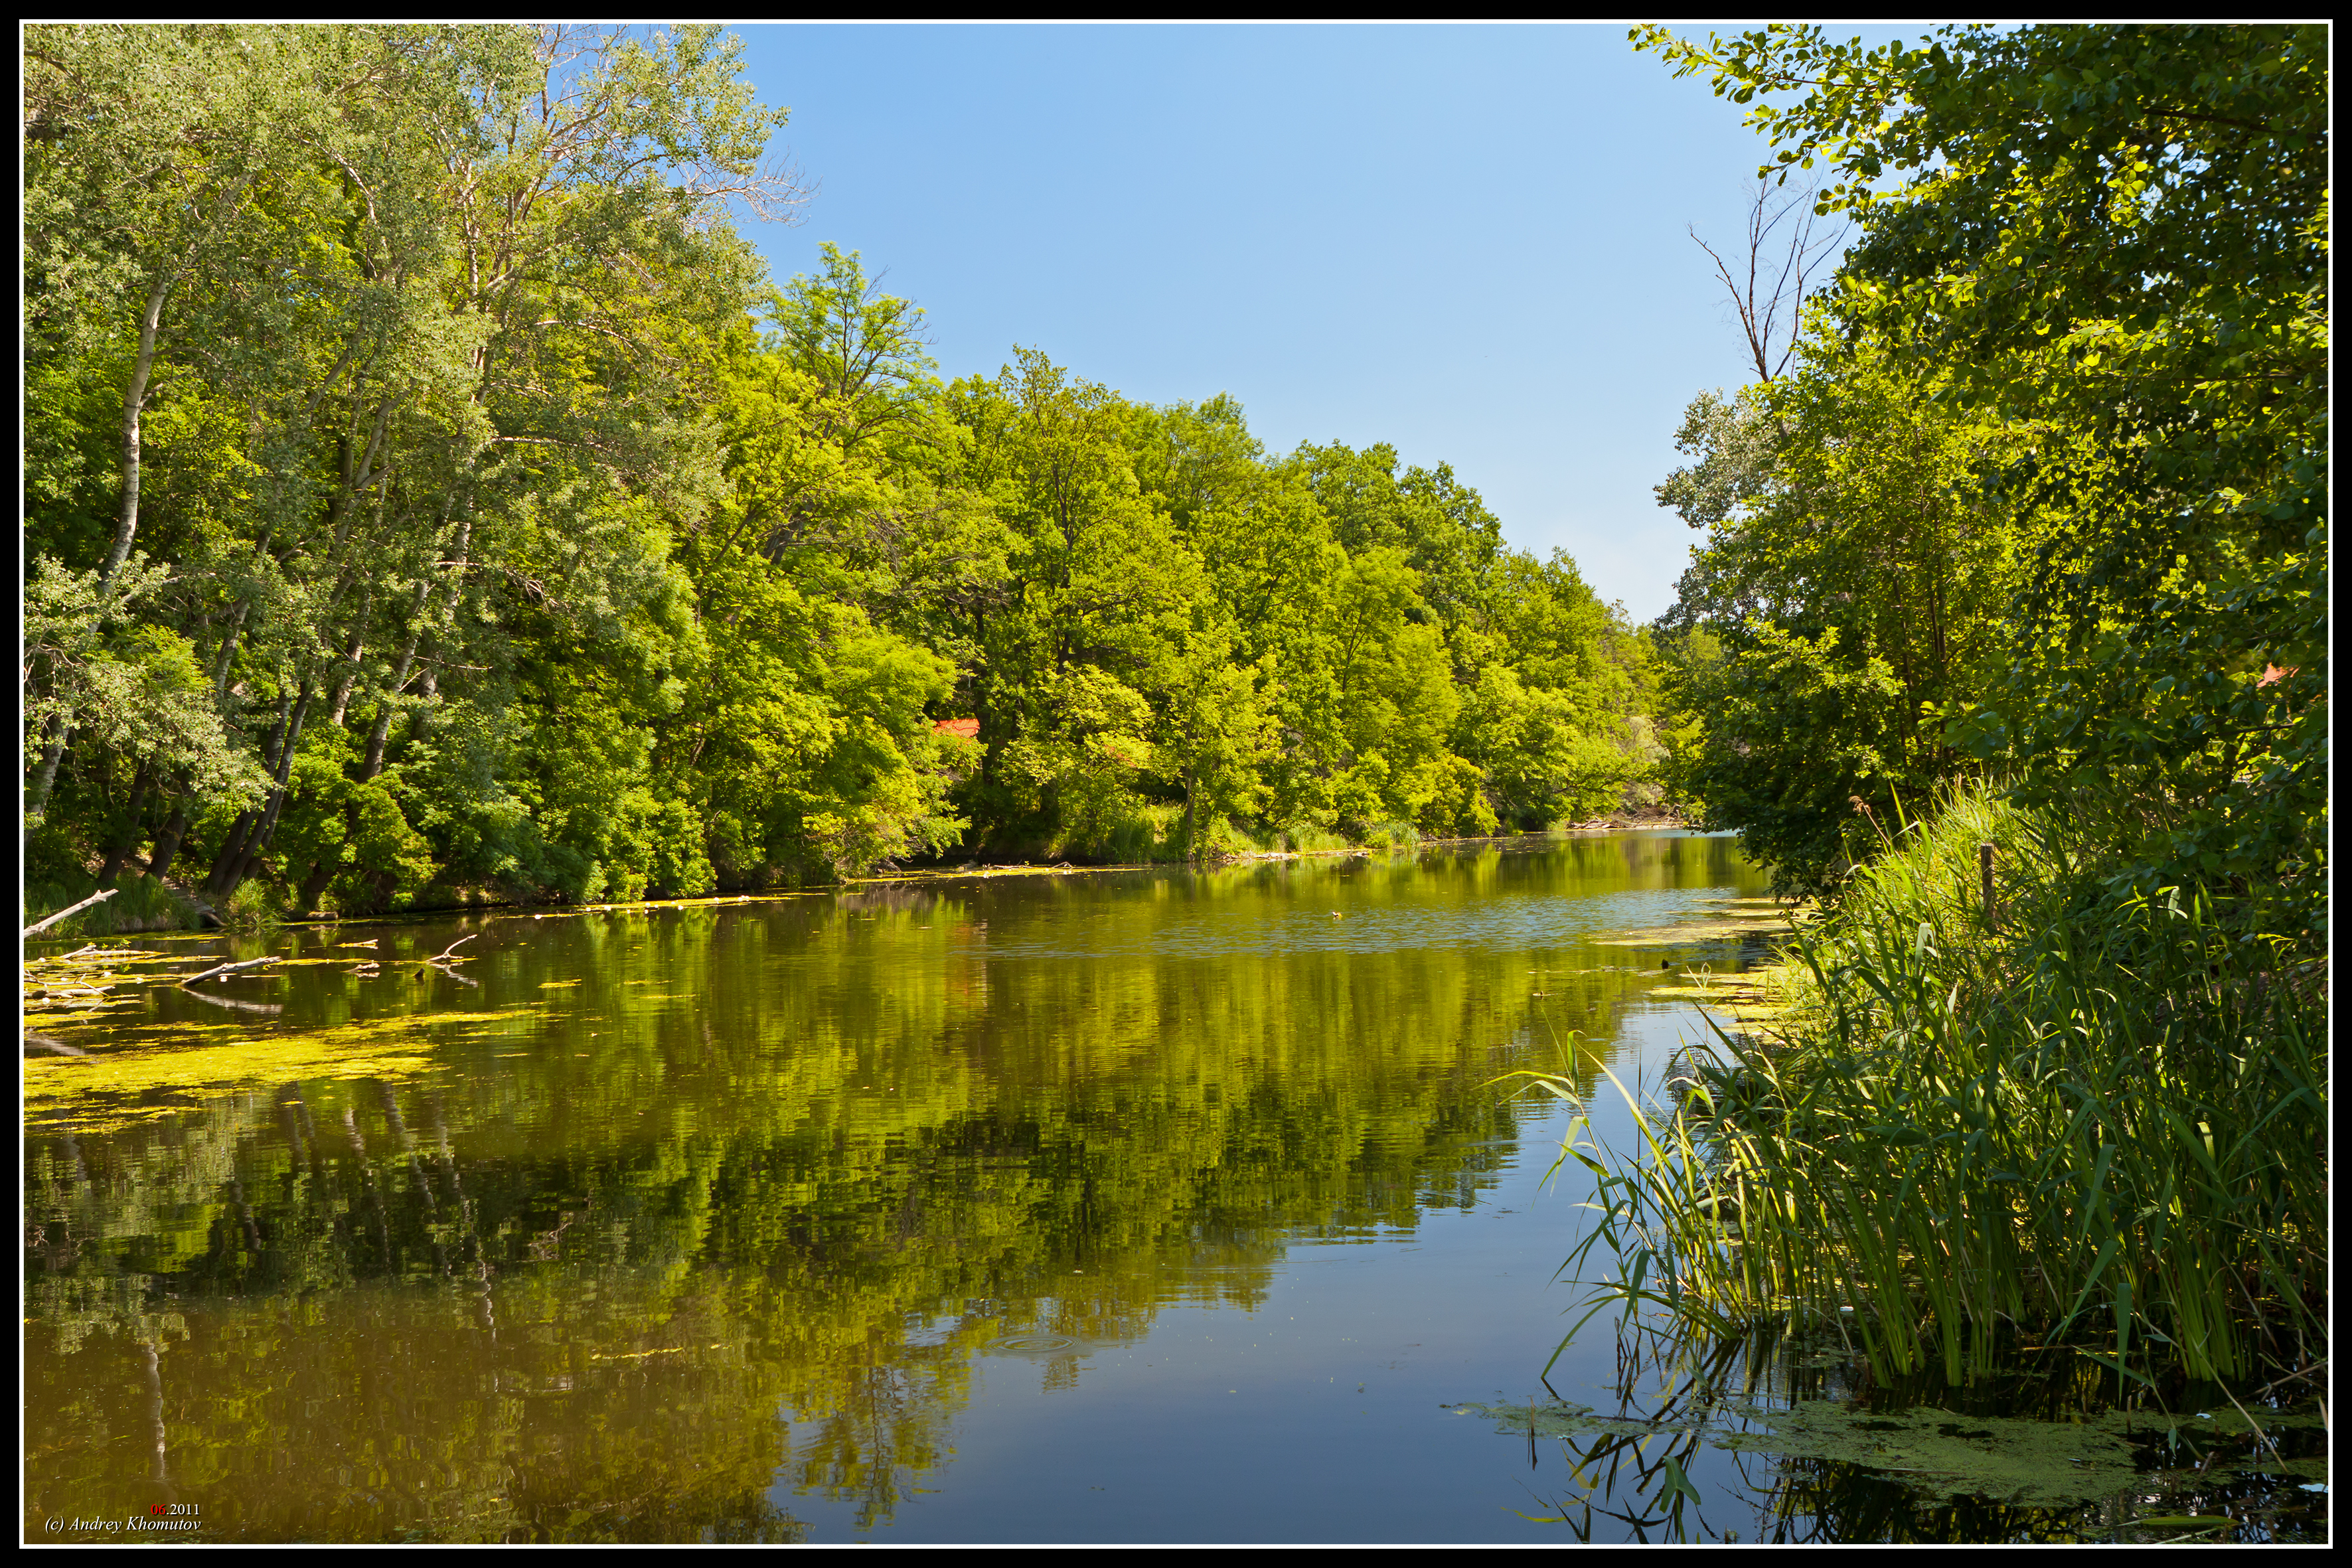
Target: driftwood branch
[(98, 897), (452, 947), (73, 988), (229, 969), (233, 1001)]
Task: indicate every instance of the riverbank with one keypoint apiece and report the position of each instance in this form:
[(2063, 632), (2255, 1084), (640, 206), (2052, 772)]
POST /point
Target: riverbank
[(2000, 1111), (144, 906)]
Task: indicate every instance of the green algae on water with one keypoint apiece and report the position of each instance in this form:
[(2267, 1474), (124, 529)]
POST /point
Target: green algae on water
[(135, 1083), (2023, 1463)]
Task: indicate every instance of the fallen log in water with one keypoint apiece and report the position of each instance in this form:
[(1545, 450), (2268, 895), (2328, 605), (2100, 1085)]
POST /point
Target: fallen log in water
[(229, 969), (98, 897)]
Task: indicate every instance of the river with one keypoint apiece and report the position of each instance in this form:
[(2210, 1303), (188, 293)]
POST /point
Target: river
[(1114, 1206)]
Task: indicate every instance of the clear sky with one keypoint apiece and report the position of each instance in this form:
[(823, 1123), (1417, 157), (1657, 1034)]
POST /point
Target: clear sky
[(1470, 242)]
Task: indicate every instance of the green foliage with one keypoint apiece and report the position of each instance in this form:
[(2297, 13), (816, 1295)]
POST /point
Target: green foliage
[(343, 840), (2163, 460), (431, 500), (2046, 504), (1855, 588), (126, 683), (54, 881), (253, 907), (2092, 1121), (1798, 737)]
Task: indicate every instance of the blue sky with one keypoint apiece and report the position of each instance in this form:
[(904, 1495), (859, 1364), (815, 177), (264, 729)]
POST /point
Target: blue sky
[(1470, 242)]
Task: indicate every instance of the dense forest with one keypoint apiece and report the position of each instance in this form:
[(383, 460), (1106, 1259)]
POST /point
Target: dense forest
[(427, 497)]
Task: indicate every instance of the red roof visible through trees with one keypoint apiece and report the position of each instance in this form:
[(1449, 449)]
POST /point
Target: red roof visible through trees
[(967, 728)]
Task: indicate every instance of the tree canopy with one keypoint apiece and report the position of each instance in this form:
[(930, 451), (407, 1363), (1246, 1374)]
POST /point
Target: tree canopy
[(2088, 300), (429, 498)]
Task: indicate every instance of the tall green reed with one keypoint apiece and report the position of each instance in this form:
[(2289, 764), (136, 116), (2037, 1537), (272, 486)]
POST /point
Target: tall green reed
[(2095, 1123)]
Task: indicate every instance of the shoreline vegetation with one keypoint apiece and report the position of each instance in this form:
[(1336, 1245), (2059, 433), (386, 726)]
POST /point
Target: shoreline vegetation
[(172, 907), (2046, 1084), (1969, 1144)]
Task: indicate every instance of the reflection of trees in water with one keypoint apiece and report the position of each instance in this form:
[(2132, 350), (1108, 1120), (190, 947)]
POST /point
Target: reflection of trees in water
[(509, 1332), (889, 1427), (812, 1157), (911, 901)]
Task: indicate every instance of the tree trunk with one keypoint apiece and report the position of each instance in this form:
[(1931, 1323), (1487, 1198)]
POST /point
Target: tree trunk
[(127, 835), (134, 403), (259, 843), (231, 848), (228, 649), (314, 886), (381, 735), (381, 731), (167, 842), (240, 832), (350, 677), (37, 791)]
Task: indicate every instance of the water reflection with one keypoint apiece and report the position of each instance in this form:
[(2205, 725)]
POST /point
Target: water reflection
[(702, 1222)]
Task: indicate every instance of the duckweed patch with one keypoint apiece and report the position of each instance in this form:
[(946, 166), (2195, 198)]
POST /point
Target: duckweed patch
[(1750, 997), (1942, 1455), (2024, 1463)]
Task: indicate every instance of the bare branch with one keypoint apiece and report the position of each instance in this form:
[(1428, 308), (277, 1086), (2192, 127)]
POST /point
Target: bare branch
[(228, 969), (1781, 264)]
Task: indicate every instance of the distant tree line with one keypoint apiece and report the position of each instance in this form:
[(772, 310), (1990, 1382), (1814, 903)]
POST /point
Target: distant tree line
[(426, 495)]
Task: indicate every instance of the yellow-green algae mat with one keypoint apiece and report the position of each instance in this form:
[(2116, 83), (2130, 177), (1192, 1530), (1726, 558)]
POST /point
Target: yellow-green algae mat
[(105, 1087), (2028, 1464), (1716, 919), (1750, 997)]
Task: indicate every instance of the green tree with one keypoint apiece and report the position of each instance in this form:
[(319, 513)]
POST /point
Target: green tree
[(1095, 616), (2115, 237), (397, 314), (1853, 572)]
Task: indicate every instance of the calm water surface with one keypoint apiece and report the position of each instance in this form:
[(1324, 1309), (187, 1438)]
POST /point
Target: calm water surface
[(1135, 1207)]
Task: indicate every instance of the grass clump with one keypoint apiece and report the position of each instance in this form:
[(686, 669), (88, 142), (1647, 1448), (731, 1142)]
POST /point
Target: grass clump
[(2090, 1120), (140, 903), (253, 907)]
